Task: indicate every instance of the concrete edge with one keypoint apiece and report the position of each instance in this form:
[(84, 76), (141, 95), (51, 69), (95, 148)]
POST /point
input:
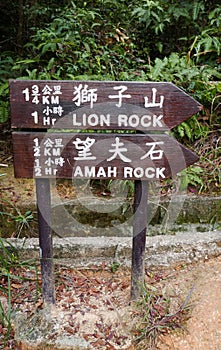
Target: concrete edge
[(160, 250)]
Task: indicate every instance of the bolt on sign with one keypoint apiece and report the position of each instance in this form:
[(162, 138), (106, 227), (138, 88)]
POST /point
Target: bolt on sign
[(98, 130)]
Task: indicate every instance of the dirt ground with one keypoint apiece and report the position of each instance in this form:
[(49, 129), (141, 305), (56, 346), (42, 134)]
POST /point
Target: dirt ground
[(94, 304), (202, 331)]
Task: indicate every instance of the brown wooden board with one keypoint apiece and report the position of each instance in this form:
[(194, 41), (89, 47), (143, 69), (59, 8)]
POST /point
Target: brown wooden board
[(96, 105), (98, 155)]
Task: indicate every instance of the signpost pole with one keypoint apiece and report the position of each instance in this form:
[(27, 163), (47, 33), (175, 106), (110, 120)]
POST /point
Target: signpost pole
[(139, 237), (45, 239)]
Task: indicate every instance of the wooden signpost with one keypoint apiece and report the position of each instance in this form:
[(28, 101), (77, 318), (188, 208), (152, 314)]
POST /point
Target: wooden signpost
[(101, 130)]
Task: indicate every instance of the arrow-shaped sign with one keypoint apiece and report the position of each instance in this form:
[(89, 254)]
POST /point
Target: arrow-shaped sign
[(99, 105), (100, 156)]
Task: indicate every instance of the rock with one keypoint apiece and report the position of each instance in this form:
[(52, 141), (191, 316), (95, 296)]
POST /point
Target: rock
[(44, 330), (3, 305)]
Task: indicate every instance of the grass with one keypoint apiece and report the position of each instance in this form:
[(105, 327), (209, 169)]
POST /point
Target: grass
[(158, 316), (9, 262), (21, 220)]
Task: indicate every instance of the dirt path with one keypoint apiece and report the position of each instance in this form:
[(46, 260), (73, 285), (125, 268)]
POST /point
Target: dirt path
[(204, 325), (95, 306)]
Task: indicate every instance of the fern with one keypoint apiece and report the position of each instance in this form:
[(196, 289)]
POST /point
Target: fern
[(198, 6), (184, 129), (192, 176)]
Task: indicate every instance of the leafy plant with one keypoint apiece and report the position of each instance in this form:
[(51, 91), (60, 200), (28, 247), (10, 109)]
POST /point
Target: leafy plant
[(124, 187), (157, 315), (4, 104), (191, 130), (115, 266), (186, 20), (151, 14), (22, 221), (192, 176), (69, 44), (9, 262)]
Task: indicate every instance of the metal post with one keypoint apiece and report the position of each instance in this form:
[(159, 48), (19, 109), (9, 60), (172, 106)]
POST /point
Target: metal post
[(139, 237), (45, 239)]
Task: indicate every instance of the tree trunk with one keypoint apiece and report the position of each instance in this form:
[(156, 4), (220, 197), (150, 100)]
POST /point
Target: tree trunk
[(20, 27)]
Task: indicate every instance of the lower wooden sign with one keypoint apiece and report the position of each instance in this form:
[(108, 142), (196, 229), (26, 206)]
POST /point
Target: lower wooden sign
[(98, 156)]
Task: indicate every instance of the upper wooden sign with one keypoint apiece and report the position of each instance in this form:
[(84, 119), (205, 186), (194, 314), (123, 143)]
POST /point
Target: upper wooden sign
[(82, 105)]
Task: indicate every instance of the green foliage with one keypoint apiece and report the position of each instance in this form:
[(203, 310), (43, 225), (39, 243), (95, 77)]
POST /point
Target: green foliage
[(23, 222), (191, 130), (8, 257), (4, 103), (176, 41), (178, 69), (115, 266), (157, 20), (151, 14), (191, 177), (207, 44), (77, 41), (111, 38), (121, 187), (6, 64), (206, 176)]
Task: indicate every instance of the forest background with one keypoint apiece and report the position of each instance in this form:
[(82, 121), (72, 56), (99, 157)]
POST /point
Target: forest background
[(138, 40)]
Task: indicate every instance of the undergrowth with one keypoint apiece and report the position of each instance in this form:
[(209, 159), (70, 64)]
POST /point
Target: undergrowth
[(10, 268), (159, 316)]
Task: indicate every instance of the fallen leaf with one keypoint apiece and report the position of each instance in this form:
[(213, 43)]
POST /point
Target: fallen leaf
[(16, 285), (39, 304), (69, 330)]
